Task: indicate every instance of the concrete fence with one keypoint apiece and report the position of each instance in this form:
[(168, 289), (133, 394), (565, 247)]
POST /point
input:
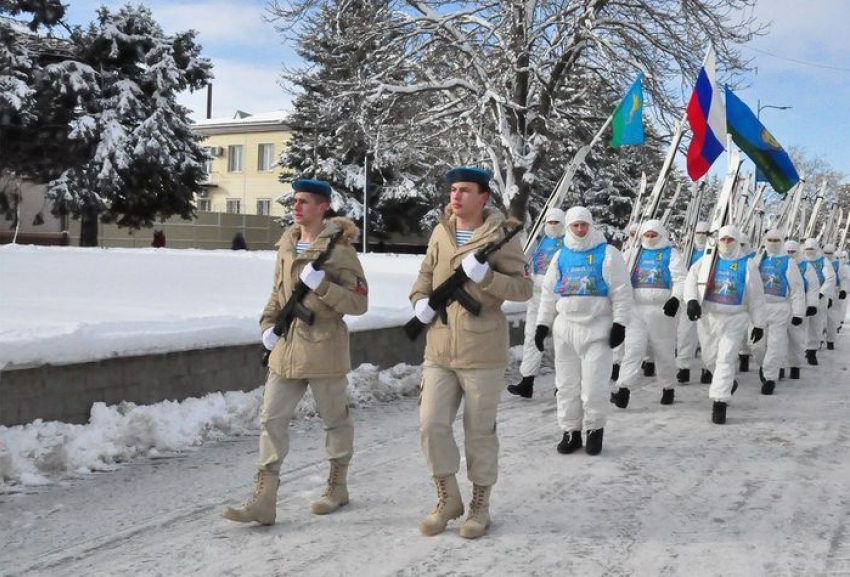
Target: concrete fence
[(67, 392), (209, 230)]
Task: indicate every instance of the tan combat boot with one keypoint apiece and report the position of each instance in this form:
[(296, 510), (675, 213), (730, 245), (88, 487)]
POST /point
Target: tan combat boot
[(336, 491), (449, 506), (262, 506), (478, 521)]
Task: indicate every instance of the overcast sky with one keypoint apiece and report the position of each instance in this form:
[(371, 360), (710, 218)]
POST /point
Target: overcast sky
[(248, 55)]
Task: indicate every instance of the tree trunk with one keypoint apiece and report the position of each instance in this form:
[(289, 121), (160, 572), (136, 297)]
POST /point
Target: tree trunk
[(519, 203), (88, 227)]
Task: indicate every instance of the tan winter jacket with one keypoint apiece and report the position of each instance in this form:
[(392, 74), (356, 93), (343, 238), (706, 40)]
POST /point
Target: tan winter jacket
[(320, 350), (467, 341)]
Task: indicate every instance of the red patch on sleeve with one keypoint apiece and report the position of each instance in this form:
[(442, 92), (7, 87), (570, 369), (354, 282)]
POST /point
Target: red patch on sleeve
[(360, 288)]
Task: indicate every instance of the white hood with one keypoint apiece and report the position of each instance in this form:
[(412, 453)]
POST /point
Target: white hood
[(700, 234), (773, 243), (733, 250), (593, 237), (793, 245), (557, 230), (829, 251), (811, 249), (661, 241)]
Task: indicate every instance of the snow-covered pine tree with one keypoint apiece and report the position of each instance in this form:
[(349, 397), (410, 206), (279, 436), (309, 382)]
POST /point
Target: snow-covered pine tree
[(143, 160)]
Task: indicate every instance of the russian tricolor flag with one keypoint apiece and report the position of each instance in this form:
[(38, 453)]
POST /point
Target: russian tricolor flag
[(707, 117)]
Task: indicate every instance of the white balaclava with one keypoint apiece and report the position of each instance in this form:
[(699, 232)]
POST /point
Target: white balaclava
[(733, 249), (554, 230), (701, 234), (811, 248), (660, 241), (773, 242), (633, 229), (843, 256), (792, 247), (829, 251), (593, 236)]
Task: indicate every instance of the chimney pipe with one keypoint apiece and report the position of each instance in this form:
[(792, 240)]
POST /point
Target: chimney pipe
[(209, 100)]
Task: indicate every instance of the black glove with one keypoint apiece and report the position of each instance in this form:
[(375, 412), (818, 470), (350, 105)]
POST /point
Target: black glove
[(618, 335), (829, 304), (540, 335), (796, 321), (694, 310), (842, 295), (811, 311), (671, 307), (757, 334)]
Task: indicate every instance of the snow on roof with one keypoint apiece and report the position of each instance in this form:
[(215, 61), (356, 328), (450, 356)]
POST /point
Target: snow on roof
[(245, 118)]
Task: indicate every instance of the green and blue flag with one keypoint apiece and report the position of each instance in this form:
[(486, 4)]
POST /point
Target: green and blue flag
[(628, 117), (759, 144)]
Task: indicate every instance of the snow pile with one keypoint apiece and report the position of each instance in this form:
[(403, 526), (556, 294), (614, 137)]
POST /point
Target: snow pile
[(68, 305), (35, 453)]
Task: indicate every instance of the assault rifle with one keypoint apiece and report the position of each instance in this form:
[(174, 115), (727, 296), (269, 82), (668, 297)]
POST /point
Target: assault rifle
[(452, 288), (294, 309)]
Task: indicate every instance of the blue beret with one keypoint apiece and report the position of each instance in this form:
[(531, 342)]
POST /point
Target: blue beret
[(314, 186), (469, 174)]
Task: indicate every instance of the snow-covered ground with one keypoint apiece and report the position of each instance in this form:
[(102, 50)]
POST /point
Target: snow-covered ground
[(671, 494), (67, 304)]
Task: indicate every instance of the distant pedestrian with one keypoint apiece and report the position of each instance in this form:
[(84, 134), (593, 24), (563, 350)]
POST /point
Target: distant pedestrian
[(239, 242), (158, 238)]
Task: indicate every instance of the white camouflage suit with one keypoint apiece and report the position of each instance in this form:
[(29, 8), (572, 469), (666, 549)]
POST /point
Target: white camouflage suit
[(583, 356), (798, 336), (722, 326), (687, 341), (817, 324), (649, 323), (779, 308), (842, 282), (540, 259)]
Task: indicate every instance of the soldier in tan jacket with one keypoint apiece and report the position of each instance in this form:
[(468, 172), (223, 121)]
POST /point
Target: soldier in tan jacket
[(316, 355), (466, 355)]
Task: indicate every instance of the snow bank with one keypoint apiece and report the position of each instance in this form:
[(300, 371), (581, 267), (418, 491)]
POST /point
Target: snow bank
[(68, 304), (39, 452)]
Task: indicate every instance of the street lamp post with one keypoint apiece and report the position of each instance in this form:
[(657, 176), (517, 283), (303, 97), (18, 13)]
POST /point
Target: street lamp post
[(760, 107)]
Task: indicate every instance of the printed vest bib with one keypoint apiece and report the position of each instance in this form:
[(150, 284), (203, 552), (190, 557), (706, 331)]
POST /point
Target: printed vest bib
[(696, 255), (818, 264), (774, 276), (803, 265), (836, 264), (729, 282), (652, 270), (580, 273), (544, 253)]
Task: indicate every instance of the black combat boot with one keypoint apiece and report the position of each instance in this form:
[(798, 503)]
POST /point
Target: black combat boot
[(621, 397), (718, 413), (767, 387), (683, 376), (743, 363), (593, 441), (525, 388), (812, 357), (615, 372), (570, 443), (830, 346), (794, 373), (781, 374), (667, 396), (705, 377), (648, 369)]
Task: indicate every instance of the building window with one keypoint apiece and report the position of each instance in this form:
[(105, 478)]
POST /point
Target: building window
[(208, 165), (234, 205), (265, 157), (204, 205), (264, 206), (234, 158)]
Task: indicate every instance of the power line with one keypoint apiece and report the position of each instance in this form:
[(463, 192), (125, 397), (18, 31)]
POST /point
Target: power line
[(802, 62)]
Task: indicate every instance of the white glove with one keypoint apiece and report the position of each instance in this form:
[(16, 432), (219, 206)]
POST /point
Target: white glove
[(269, 338), (312, 277), (424, 312), (474, 270)]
